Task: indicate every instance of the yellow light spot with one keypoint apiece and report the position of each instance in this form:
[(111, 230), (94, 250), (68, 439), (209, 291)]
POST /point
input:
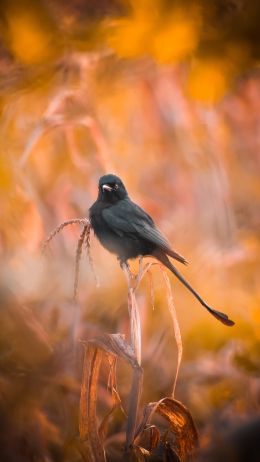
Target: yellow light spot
[(131, 37), (208, 80), (177, 39), (29, 38)]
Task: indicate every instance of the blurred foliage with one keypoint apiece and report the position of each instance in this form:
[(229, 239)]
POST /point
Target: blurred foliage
[(165, 94), (215, 40)]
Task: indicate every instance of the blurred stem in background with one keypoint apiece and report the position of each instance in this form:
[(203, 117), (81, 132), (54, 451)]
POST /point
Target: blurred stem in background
[(167, 97)]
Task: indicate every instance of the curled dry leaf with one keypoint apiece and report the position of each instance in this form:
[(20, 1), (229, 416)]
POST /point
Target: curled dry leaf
[(152, 437), (139, 454), (181, 425)]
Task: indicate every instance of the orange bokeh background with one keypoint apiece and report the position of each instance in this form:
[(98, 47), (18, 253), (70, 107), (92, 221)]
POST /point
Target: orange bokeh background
[(164, 98)]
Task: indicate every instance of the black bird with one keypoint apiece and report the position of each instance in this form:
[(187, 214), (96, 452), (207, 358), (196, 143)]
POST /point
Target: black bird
[(128, 231)]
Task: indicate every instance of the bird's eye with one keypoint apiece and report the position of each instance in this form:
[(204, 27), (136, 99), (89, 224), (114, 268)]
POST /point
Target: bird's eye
[(116, 186)]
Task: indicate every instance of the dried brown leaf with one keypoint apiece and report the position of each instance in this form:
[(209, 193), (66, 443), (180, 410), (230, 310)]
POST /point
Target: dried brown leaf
[(139, 454), (152, 437), (88, 428), (181, 425), (116, 345)]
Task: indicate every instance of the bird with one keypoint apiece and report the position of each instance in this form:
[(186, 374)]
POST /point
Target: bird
[(127, 231)]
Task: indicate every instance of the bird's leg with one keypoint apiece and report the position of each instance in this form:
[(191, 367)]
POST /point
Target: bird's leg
[(125, 268), (124, 265), (141, 272)]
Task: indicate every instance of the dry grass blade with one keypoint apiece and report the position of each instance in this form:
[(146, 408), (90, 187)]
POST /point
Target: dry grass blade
[(88, 428), (142, 271), (176, 327), (135, 324), (59, 228), (78, 257), (90, 259), (134, 313)]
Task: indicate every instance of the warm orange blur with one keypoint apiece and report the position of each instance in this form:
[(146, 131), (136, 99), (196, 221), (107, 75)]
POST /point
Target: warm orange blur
[(171, 105)]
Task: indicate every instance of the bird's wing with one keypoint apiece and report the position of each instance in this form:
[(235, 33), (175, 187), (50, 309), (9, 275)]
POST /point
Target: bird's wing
[(125, 217)]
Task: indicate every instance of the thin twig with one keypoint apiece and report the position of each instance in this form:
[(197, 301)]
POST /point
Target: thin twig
[(59, 228), (89, 256)]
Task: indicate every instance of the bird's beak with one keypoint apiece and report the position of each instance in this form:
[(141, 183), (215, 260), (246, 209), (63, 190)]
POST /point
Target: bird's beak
[(106, 187)]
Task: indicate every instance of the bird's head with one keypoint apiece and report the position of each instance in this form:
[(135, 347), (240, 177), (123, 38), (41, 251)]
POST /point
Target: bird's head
[(111, 188)]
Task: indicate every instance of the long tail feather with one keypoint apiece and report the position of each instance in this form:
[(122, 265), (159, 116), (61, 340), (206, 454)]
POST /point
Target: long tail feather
[(222, 317), (177, 256)]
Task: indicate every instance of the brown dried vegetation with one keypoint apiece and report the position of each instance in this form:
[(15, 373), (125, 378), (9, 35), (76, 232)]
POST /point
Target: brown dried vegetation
[(168, 98)]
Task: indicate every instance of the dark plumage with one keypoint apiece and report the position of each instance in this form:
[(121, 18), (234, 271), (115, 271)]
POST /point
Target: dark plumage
[(128, 231)]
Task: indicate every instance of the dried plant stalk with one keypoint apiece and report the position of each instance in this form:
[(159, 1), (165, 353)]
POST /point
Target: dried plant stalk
[(135, 324), (81, 241), (115, 345), (135, 330), (90, 259), (176, 326)]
